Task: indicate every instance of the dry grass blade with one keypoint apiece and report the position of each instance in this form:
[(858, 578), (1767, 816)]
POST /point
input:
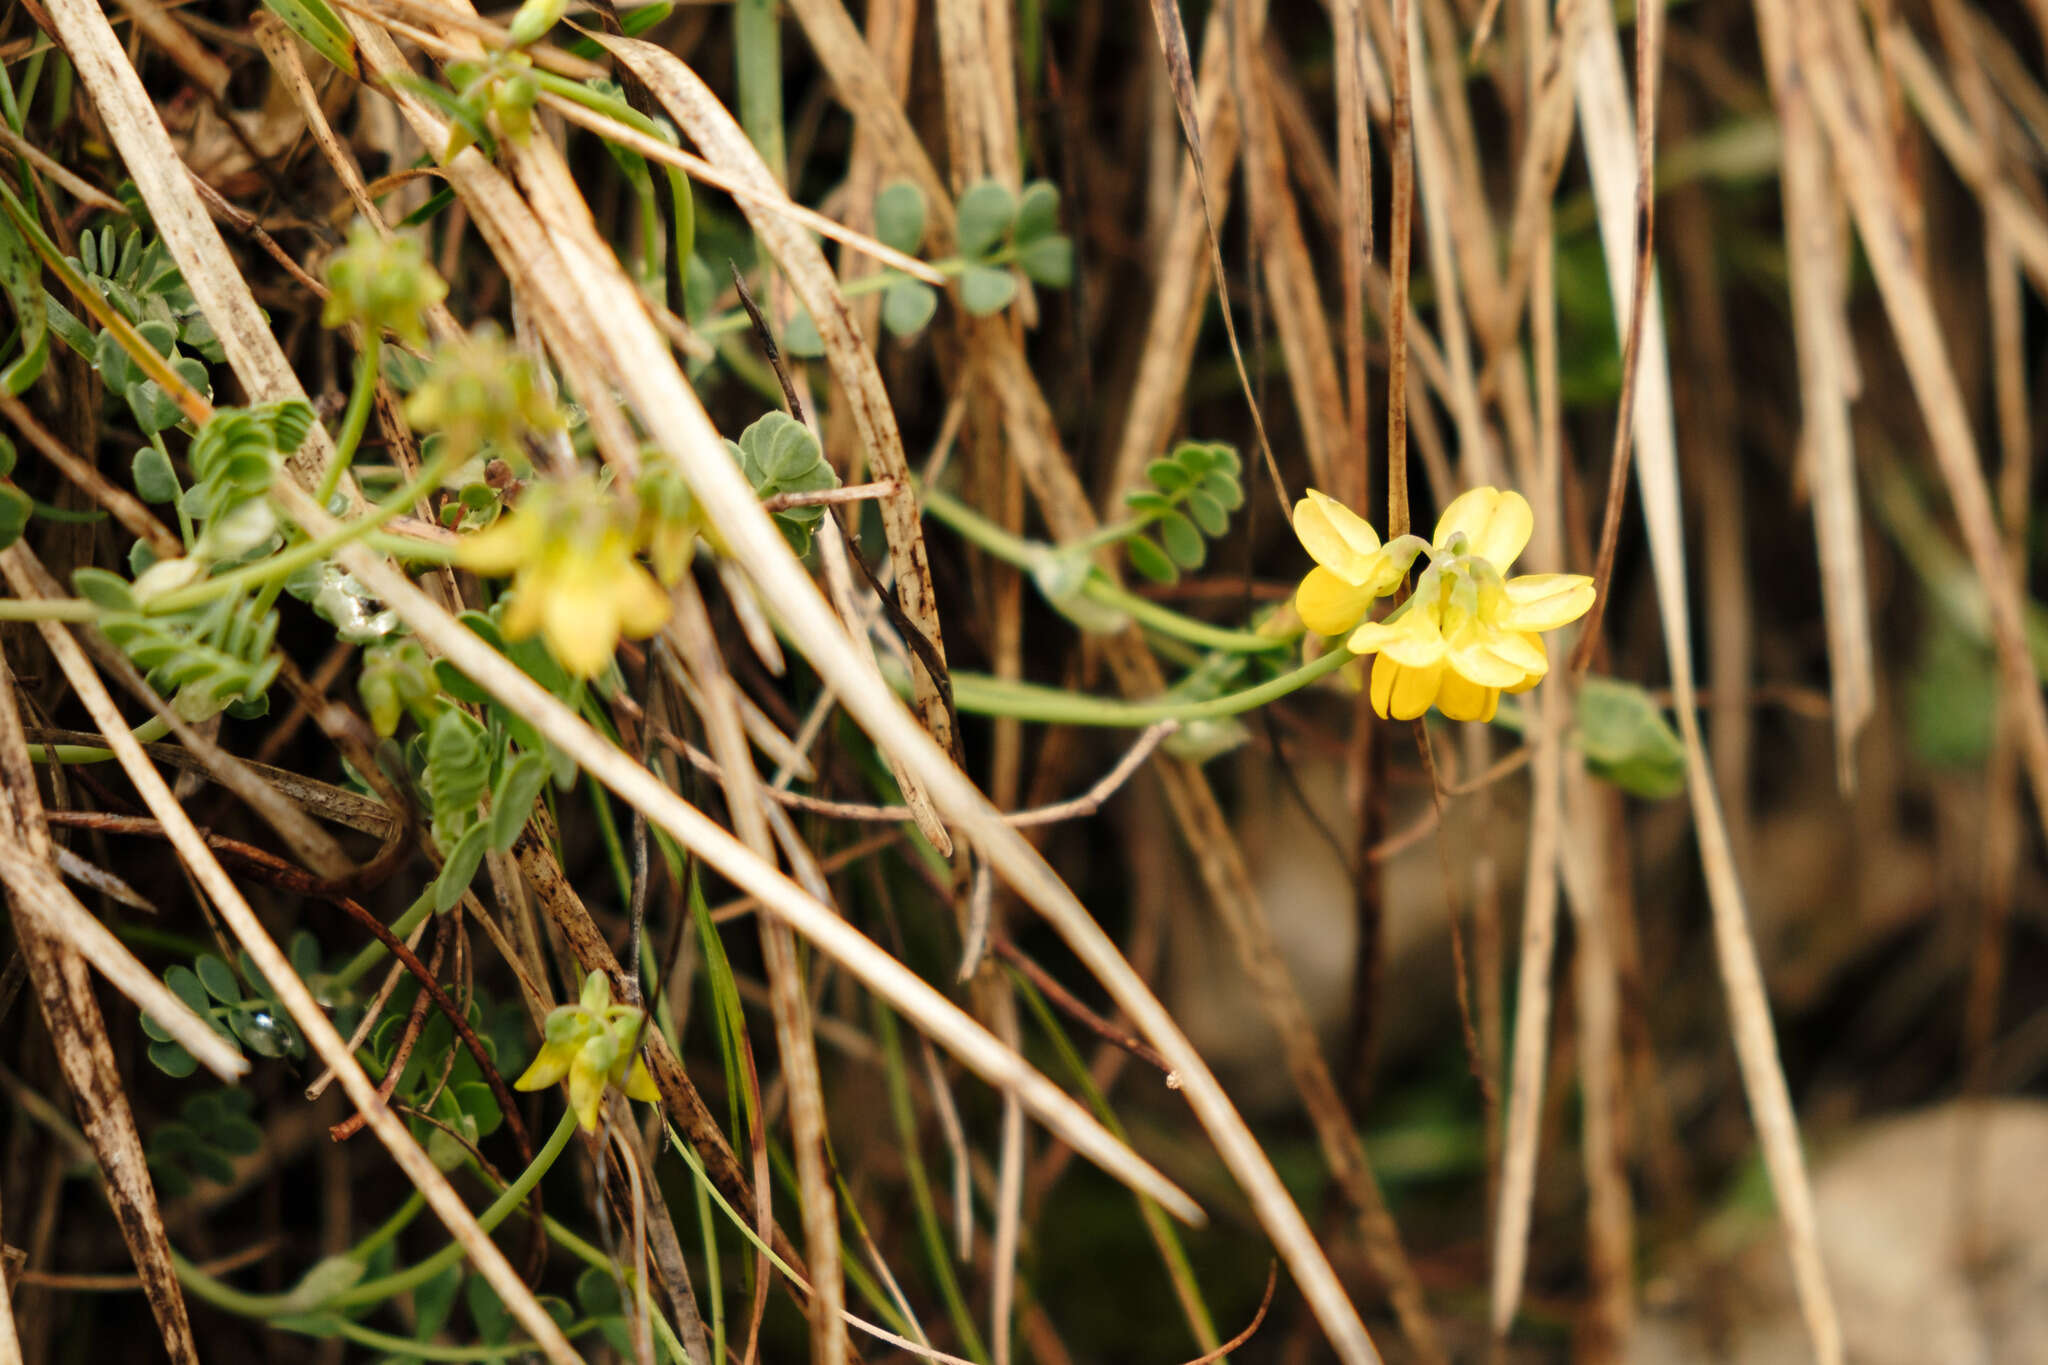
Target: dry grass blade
[(63, 984), (1816, 260), (1292, 291), (1611, 155), (707, 122), (1354, 179), (692, 639), (1531, 1046), (1180, 71), (1182, 278)]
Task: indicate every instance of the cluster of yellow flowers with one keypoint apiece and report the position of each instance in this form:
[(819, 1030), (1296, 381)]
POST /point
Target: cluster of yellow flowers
[(1467, 633)]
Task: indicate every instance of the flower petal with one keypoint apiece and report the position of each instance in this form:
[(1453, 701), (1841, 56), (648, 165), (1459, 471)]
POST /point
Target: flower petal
[(639, 1085), (506, 544), (1335, 536), (1400, 692), (1472, 660), (550, 1064), (643, 607), (1328, 605), (581, 625), (1413, 638), (586, 1093), (1545, 601), (1520, 650), (1496, 524), (1462, 699)]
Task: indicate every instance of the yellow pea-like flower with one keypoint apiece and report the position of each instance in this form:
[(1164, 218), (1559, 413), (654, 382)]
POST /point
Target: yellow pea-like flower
[(591, 1045), (576, 580)]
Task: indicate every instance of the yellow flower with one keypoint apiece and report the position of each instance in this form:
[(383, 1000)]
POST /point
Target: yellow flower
[(1468, 632), (575, 582), (591, 1044), (1352, 567)]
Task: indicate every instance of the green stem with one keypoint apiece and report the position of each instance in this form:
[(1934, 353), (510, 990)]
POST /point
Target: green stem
[(356, 419), (291, 1304), (280, 566), (373, 952), (982, 695), (391, 1227), (933, 1237), (150, 731), (47, 609), (378, 1290), (1028, 554), (405, 1348)]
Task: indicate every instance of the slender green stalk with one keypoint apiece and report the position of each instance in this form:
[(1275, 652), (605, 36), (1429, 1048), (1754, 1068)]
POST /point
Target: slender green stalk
[(47, 609), (1029, 554), (982, 695), (933, 1235), (378, 1290), (280, 566), (390, 1227), (1167, 1238), (150, 731), (373, 952), (714, 1276), (406, 1348), (357, 417), (757, 52)]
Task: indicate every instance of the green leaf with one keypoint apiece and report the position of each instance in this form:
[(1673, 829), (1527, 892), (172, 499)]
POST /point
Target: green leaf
[(986, 289), (985, 213), (433, 1301), (777, 451), (1048, 261), (1182, 540), (1626, 740), (1148, 500), (21, 279), (513, 801), (1208, 513), (155, 480), (487, 1312), (1148, 559), (321, 1283), (105, 590), (1062, 578), (172, 1060), (1224, 488), (460, 869), (7, 457), (320, 27), (899, 216), (186, 986), (236, 1136), (598, 1293), (801, 338), (907, 307), (1168, 476), (1038, 212), (15, 509), (219, 979)]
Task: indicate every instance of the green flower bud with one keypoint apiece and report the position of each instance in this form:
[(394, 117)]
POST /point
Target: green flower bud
[(382, 283)]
